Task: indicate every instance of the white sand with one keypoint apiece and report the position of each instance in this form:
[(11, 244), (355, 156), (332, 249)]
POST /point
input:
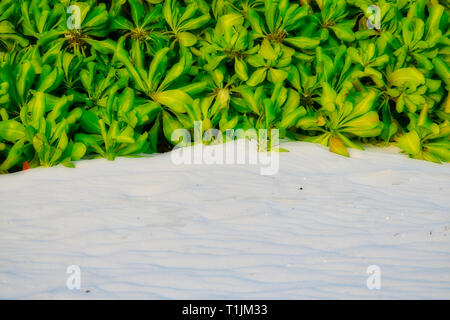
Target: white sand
[(145, 228)]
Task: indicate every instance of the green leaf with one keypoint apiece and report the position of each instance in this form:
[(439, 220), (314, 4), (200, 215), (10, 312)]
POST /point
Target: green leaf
[(257, 77), (14, 156), (11, 130), (78, 151), (176, 100), (267, 51), (277, 75), (186, 39), (177, 70), (344, 31), (302, 42), (410, 143), (406, 76), (240, 67)]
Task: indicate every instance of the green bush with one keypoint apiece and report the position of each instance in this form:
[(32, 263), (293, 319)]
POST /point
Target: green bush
[(130, 72)]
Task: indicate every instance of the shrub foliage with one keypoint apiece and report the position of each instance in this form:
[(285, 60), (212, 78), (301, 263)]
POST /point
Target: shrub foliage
[(85, 79)]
